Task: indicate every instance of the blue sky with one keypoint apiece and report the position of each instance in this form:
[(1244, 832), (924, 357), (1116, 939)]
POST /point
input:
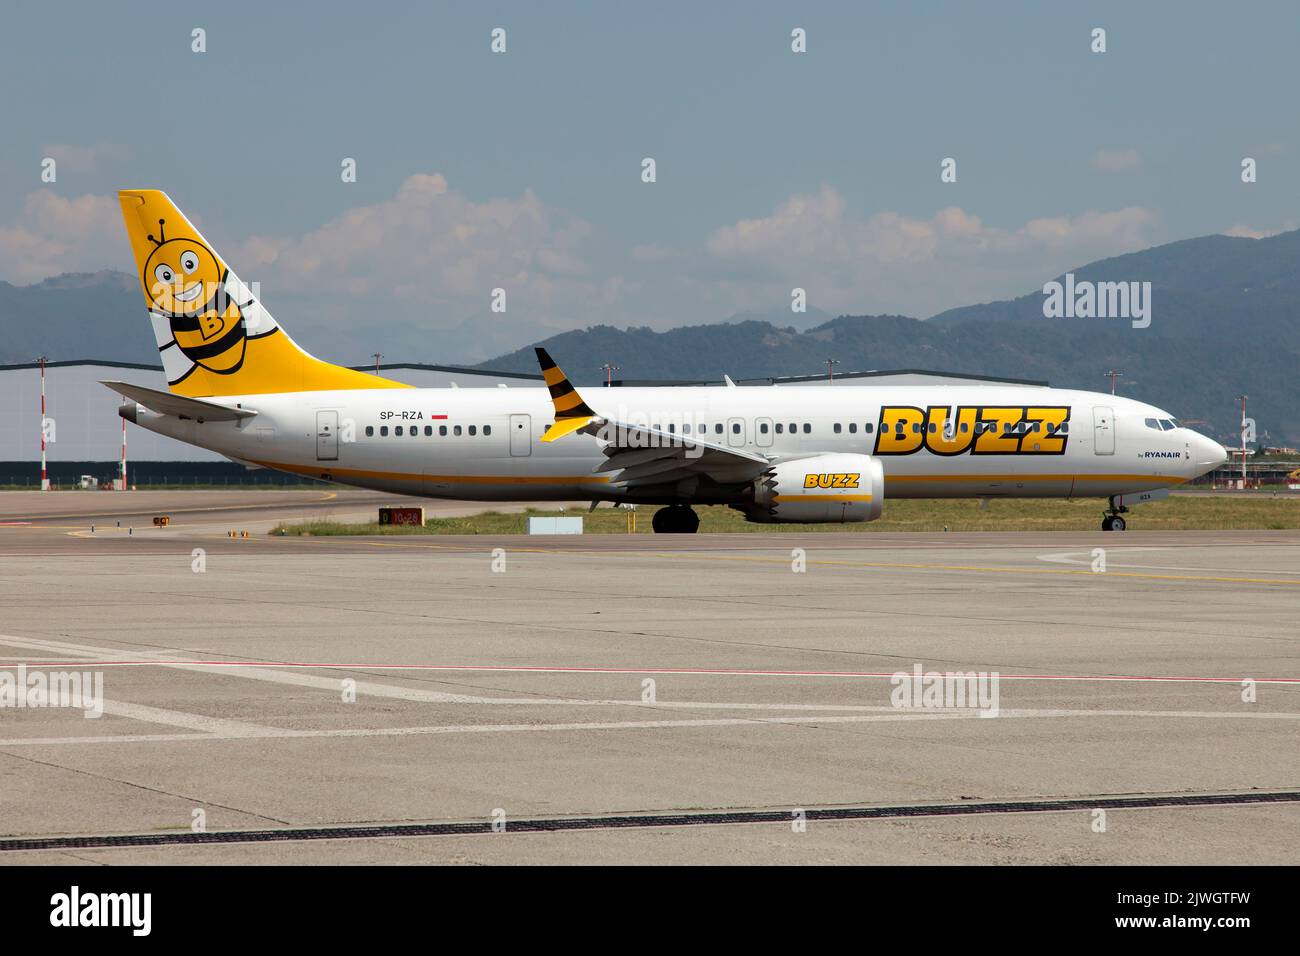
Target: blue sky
[(775, 169)]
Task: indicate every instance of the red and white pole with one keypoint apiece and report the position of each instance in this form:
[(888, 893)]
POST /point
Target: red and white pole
[(123, 488), (45, 477)]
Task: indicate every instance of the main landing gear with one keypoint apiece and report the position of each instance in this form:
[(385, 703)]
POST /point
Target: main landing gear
[(1113, 521), (675, 519)]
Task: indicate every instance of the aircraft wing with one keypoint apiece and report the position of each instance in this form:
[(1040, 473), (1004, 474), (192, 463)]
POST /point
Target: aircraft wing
[(638, 456), (165, 403)]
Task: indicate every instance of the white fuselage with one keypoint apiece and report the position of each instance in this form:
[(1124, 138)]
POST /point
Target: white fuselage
[(419, 441)]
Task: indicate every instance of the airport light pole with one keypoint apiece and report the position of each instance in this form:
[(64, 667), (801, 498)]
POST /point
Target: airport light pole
[(377, 356), (1113, 375), (45, 477), (123, 479), (609, 373), (830, 370)]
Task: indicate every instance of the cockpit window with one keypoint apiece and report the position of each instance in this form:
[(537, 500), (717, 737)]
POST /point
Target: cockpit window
[(1152, 423), (1169, 424)]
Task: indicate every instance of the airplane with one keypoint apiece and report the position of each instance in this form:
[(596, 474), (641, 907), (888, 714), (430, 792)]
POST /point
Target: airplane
[(240, 386)]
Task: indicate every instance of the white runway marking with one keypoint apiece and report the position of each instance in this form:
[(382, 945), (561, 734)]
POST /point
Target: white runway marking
[(196, 722), (260, 670), (214, 729), (1085, 558), (894, 716)]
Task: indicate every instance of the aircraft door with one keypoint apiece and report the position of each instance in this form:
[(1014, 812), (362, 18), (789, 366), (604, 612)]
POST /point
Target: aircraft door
[(736, 432), (327, 436), (763, 432), (1103, 430), (521, 436)]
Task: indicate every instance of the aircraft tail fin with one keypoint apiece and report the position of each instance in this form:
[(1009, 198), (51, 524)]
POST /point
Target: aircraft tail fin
[(212, 332)]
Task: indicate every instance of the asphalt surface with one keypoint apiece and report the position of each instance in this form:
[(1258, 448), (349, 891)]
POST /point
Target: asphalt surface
[(294, 684)]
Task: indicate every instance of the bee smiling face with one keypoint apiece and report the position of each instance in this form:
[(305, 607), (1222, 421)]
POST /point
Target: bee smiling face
[(181, 276)]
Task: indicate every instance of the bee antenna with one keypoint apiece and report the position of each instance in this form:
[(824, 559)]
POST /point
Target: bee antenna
[(161, 232)]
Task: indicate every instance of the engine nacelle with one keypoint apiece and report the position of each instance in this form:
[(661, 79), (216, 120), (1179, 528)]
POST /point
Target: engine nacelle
[(823, 488)]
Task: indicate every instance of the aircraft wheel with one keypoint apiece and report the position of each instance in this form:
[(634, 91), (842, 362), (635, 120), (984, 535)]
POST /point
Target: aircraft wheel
[(688, 521), (675, 519), (1117, 523), (662, 521)]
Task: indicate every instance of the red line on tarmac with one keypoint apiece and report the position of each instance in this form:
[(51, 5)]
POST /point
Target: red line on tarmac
[(702, 671)]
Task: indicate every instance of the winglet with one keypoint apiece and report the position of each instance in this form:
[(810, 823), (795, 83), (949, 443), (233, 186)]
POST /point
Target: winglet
[(571, 412)]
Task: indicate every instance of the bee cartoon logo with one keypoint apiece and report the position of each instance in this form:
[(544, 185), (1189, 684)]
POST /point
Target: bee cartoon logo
[(213, 335), (187, 285)]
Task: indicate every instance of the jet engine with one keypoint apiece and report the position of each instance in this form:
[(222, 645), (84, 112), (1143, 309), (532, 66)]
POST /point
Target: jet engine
[(823, 488)]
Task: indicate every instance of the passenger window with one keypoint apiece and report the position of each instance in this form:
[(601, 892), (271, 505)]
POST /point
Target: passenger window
[(1062, 428), (487, 429), (780, 428), (672, 428), (932, 427), (916, 428), (717, 429), (370, 431), (398, 431), (836, 428), (415, 432), (965, 427), (428, 431), (455, 429), (735, 428), (442, 430), (853, 428), (807, 429), (473, 430), (762, 427), (869, 427), (383, 431)]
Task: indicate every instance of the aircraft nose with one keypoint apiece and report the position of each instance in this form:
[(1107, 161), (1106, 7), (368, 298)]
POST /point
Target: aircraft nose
[(1209, 454)]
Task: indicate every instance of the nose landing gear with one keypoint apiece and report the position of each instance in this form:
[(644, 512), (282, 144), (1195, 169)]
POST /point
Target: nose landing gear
[(675, 519)]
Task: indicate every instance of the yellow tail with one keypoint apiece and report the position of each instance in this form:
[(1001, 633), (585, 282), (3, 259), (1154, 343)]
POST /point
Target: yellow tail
[(213, 335)]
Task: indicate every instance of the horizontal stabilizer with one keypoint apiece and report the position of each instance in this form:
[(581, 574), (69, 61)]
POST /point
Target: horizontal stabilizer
[(167, 403)]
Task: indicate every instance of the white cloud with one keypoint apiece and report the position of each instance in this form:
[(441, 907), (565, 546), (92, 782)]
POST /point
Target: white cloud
[(1115, 160), (85, 159), (56, 234), (896, 263), (428, 245), (1250, 232)]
